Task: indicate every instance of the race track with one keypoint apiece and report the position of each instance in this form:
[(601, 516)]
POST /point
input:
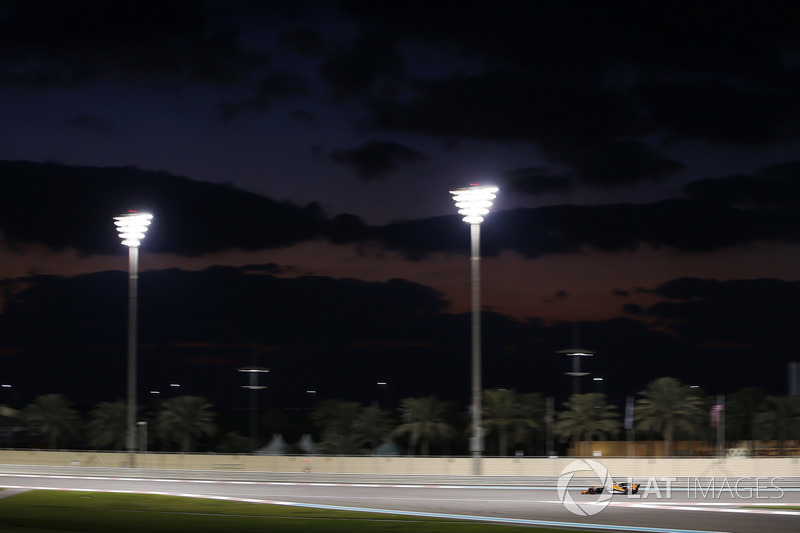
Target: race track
[(681, 511)]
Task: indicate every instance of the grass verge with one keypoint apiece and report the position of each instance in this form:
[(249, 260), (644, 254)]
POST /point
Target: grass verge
[(76, 512)]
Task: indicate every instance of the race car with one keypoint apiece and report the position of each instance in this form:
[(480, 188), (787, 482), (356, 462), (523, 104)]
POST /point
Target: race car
[(616, 488)]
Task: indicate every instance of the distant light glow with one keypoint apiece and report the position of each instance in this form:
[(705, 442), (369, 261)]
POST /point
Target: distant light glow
[(5, 386), (597, 379), (474, 202), (174, 384), (132, 226)]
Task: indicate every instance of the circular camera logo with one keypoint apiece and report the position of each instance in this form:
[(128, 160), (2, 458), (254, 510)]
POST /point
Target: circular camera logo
[(585, 508)]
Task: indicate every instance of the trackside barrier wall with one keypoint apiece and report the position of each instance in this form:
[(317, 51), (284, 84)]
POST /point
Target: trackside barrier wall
[(407, 465)]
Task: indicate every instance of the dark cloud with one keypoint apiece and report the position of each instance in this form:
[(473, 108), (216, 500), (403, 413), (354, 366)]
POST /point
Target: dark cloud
[(790, 170), (633, 310), (220, 314), (592, 40), (574, 123), (588, 81), (559, 295), (305, 116), (723, 112), (346, 228), (267, 268), (776, 186), (306, 41), (64, 43), (745, 312), (284, 86), (90, 123), (685, 225), (536, 181), (508, 105), (353, 68), (376, 159), (333, 333), (618, 163), (620, 292), (195, 218)]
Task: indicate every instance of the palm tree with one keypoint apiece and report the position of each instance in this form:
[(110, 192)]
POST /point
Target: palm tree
[(668, 407), (234, 442), (10, 423), (371, 427), (336, 419), (183, 419), (741, 413), (53, 416), (780, 419), (587, 417), (505, 413), (424, 422), (108, 425), (534, 406)]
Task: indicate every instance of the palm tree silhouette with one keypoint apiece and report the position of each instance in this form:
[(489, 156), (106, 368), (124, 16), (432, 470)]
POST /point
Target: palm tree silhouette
[(741, 413), (183, 419), (780, 419), (108, 425), (336, 419), (587, 417), (424, 422), (667, 407), (371, 427), (53, 416), (506, 413)]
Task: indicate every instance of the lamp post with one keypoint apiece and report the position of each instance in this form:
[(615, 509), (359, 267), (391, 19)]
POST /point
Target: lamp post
[(577, 374), (132, 227), (473, 202), (253, 385), (383, 395)]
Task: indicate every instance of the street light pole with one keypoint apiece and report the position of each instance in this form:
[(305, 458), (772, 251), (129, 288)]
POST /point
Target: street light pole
[(473, 202), (253, 385), (132, 227)]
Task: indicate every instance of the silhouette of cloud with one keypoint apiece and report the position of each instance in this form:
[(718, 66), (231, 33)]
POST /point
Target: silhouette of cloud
[(376, 159)]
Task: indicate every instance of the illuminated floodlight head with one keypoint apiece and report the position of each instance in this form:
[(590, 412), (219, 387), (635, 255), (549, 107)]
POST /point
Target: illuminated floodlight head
[(132, 227), (577, 352), (253, 369), (473, 202)]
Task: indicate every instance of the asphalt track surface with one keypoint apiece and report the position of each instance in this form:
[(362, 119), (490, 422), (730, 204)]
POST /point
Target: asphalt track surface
[(681, 511)]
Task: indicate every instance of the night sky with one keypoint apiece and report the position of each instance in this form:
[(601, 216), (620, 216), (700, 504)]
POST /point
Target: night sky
[(297, 158)]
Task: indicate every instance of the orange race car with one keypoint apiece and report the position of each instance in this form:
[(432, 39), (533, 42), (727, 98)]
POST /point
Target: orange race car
[(616, 488)]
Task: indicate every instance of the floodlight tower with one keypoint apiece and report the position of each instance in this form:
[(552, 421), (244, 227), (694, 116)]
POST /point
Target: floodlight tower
[(131, 227), (474, 202)]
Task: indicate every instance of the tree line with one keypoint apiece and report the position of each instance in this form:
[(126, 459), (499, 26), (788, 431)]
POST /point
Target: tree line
[(665, 409)]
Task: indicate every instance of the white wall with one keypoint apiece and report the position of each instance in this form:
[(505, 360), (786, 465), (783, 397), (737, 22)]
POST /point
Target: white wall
[(492, 466)]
